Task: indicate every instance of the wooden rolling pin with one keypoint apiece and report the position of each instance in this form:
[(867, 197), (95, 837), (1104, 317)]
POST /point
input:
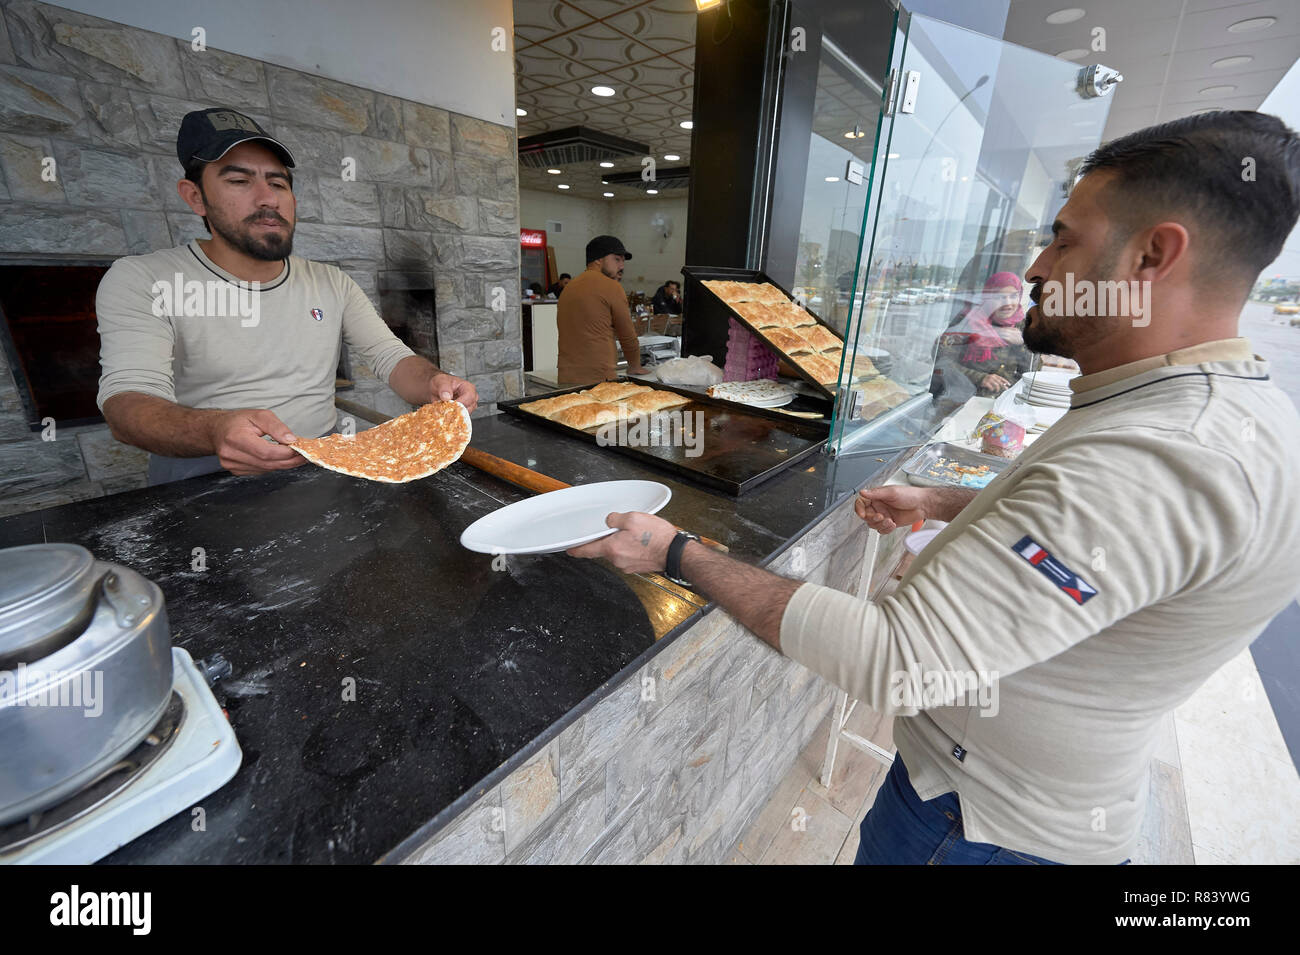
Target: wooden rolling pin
[(508, 471)]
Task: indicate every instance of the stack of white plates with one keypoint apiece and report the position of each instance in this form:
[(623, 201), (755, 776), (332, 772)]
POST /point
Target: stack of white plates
[(1048, 393)]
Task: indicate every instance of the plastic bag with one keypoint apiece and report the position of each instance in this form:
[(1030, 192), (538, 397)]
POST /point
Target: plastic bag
[(697, 370), (1002, 430)]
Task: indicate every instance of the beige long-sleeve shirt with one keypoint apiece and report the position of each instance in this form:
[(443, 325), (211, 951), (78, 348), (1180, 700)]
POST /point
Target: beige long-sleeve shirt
[(174, 324), (592, 312), (1129, 552)]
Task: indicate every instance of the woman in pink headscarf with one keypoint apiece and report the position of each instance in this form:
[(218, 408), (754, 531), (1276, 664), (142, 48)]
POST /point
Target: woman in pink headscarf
[(987, 344)]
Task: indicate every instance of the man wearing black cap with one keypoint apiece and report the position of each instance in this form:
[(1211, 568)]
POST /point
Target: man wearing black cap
[(210, 348), (592, 313)]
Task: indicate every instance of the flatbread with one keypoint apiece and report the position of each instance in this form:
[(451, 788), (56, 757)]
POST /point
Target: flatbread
[(760, 389), (756, 313), (402, 449), (732, 292), (547, 407), (820, 338), (790, 315), (589, 415), (655, 400), (787, 340), (822, 369), (614, 390)]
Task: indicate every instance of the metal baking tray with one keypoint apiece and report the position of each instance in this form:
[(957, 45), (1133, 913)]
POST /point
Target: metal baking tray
[(923, 468), (703, 273), (741, 446)]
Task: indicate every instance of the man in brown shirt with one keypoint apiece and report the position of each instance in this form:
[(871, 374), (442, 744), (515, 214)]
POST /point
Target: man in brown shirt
[(592, 313)]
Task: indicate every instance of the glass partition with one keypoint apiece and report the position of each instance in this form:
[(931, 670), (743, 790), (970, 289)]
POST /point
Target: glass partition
[(966, 180)]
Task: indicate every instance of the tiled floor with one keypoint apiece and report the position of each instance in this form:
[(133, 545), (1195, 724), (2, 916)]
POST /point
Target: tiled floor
[(1223, 787)]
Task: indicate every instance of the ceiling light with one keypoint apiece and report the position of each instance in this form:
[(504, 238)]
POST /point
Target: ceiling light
[(652, 192), (604, 182), (965, 178), (1253, 24), (1068, 15), (832, 178), (672, 157), (1216, 90), (602, 91), (608, 195), (686, 124), (855, 133), (607, 165), (892, 156), (562, 186), (1228, 62), (554, 172), (520, 111), (1071, 55)]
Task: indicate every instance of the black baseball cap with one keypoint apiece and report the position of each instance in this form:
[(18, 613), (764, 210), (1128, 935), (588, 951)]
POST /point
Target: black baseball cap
[(604, 245), (208, 134)]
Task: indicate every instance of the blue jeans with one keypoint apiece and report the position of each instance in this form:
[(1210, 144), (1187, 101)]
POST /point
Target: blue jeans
[(901, 829)]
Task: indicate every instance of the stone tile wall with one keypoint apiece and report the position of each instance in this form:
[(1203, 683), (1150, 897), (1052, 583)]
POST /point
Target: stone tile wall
[(674, 764), (428, 227)]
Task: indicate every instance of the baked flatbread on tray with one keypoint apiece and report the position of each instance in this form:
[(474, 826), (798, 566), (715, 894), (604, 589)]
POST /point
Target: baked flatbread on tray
[(589, 415), (655, 401), (823, 370), (614, 390), (787, 340), (791, 315), (405, 448), (756, 313), (547, 407), (820, 338)]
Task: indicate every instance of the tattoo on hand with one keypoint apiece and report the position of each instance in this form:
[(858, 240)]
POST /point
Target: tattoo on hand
[(645, 539)]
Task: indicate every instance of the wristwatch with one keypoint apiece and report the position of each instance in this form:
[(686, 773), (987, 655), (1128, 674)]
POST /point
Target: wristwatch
[(673, 565)]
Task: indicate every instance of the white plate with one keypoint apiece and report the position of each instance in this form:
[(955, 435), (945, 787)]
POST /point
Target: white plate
[(558, 520), (779, 402)]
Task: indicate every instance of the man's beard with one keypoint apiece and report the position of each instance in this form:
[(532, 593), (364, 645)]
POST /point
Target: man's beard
[(1067, 333), (270, 247)]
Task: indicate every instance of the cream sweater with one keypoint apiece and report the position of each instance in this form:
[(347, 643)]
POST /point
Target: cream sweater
[(209, 341), (1130, 551)]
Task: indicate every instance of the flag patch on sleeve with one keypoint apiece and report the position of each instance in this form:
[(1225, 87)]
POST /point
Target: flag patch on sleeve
[(1063, 577)]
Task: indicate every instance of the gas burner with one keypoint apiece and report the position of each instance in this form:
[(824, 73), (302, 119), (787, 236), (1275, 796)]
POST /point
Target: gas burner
[(190, 753), (113, 780)]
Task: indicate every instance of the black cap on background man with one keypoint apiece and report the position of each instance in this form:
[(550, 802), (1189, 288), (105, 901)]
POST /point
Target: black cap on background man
[(604, 245)]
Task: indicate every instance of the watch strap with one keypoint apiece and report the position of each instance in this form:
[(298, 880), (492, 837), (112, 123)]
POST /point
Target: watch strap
[(673, 565)]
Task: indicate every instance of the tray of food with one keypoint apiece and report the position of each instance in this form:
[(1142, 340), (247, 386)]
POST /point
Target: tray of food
[(810, 346), (948, 465), (718, 443)]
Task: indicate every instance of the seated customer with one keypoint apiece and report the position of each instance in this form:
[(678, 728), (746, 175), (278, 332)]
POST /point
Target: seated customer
[(558, 287), (668, 299)]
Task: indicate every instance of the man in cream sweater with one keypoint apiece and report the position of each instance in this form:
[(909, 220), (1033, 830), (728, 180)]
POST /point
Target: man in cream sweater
[(1140, 543), (210, 348)]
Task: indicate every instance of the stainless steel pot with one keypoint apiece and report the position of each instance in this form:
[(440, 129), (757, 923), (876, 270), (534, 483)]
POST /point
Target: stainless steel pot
[(85, 671)]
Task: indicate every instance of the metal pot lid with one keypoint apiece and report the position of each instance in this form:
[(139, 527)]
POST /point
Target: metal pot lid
[(46, 598)]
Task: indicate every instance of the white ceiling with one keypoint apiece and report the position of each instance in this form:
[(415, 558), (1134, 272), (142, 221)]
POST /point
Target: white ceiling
[(1165, 49), (644, 49)]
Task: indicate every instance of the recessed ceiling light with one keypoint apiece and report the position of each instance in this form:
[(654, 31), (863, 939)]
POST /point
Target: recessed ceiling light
[(1254, 23), (832, 178), (608, 195), (1068, 15), (1071, 54), (604, 182), (686, 124), (602, 91), (1228, 62), (562, 186), (854, 134), (652, 192), (554, 172), (672, 157), (1216, 90), (965, 178), (607, 165), (520, 111), (893, 156)]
